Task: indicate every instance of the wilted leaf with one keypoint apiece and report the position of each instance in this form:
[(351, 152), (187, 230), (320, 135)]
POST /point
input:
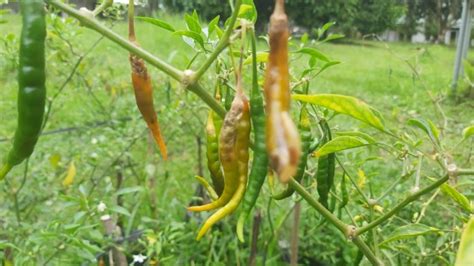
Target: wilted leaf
[(54, 160), (459, 198), (157, 22), (465, 255), (71, 173), (345, 105), (468, 132), (339, 144), (409, 231), (262, 57)]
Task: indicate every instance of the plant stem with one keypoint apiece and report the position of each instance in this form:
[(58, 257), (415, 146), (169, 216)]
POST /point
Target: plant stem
[(465, 172), (208, 99), (366, 250), (402, 204), (344, 228), (318, 206), (223, 42)]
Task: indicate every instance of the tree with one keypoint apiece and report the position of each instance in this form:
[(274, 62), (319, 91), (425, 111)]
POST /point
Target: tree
[(375, 16)]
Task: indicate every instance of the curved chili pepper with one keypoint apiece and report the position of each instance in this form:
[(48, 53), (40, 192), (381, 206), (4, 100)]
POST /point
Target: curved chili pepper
[(306, 138), (260, 158), (326, 168), (143, 89), (283, 142), (241, 155), (31, 81), (228, 154)]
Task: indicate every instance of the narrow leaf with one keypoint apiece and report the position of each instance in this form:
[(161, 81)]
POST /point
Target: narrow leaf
[(157, 22), (340, 144), (409, 231), (121, 210), (313, 53), (345, 105), (128, 190), (465, 255), (262, 57), (427, 126), (359, 134), (459, 198), (193, 35)]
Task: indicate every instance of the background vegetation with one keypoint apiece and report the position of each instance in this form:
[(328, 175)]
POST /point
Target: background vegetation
[(48, 218)]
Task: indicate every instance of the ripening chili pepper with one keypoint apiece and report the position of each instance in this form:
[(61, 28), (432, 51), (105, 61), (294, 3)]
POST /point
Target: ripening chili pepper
[(305, 132), (283, 142), (31, 84), (143, 89), (326, 168), (240, 155), (228, 154), (212, 153), (260, 158)]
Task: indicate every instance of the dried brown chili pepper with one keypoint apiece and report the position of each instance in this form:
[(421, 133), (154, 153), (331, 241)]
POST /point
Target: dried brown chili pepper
[(283, 142)]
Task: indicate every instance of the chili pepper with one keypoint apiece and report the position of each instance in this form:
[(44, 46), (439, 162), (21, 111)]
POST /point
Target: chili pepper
[(228, 154), (283, 143), (143, 88), (305, 131), (326, 167), (212, 153), (260, 158), (241, 156), (345, 194), (31, 84)]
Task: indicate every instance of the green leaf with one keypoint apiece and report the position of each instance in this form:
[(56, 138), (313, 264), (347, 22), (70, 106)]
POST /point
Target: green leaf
[(359, 134), (409, 231), (157, 22), (332, 37), (459, 198), (212, 25), (193, 35), (427, 126), (340, 144), (121, 210), (465, 255), (248, 10), (468, 70), (468, 132), (345, 105), (192, 23), (313, 53)]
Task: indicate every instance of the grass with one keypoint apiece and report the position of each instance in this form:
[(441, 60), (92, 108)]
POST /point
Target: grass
[(104, 154)]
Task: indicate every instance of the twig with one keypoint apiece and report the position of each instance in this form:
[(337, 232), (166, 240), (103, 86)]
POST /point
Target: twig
[(294, 234), (257, 219)]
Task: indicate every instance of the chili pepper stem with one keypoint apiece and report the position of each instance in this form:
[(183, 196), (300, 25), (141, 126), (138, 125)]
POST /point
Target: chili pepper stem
[(4, 171)]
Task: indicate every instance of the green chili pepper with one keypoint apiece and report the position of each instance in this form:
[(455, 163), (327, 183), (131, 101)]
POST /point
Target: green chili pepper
[(260, 158), (212, 152), (305, 133), (326, 168), (345, 194), (31, 81)]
